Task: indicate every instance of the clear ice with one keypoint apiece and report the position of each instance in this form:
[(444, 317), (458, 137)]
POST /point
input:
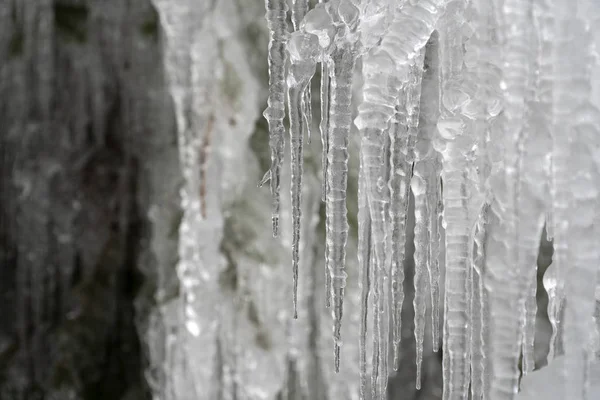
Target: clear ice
[(487, 112)]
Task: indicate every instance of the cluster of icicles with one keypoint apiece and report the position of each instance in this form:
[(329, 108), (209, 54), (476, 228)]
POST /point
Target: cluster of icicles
[(483, 109)]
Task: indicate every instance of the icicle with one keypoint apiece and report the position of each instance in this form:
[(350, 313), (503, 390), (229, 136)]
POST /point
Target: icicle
[(299, 10), (304, 51), (399, 185), (340, 120), (419, 189), (518, 205), (324, 125), (364, 265), (454, 140), (425, 194), (319, 22), (375, 373), (580, 278), (435, 220), (383, 304), (581, 281), (385, 71), (275, 112), (478, 320), (569, 72)]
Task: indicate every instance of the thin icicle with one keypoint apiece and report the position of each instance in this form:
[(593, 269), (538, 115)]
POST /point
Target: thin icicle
[(383, 305), (304, 50), (324, 125), (426, 112), (377, 289), (276, 19), (436, 210), (364, 265), (399, 186), (568, 70), (478, 319), (299, 10), (419, 189), (319, 22), (580, 278), (583, 274), (340, 120)]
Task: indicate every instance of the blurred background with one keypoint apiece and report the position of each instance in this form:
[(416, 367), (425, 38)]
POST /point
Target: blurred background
[(136, 255)]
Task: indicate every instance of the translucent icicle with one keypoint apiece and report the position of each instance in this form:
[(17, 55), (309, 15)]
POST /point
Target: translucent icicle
[(419, 189), (399, 185), (364, 265), (304, 50), (454, 140), (340, 120), (319, 22), (582, 275), (324, 126), (377, 289), (478, 319), (507, 275), (383, 304), (582, 278), (299, 10), (385, 71), (435, 209), (275, 112), (568, 69), (426, 112)]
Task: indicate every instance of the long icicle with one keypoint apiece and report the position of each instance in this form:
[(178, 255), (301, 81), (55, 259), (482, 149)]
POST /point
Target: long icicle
[(364, 265), (399, 186), (454, 140), (343, 60), (319, 22), (304, 51), (425, 194), (276, 19)]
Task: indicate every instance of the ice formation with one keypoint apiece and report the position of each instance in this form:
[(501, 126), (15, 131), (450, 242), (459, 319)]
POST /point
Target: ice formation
[(487, 111)]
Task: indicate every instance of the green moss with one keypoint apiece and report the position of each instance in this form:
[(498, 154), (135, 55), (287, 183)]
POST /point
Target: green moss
[(259, 143), (71, 22), (150, 26)]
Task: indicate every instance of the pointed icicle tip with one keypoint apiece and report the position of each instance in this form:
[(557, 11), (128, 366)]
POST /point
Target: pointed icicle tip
[(266, 178)]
